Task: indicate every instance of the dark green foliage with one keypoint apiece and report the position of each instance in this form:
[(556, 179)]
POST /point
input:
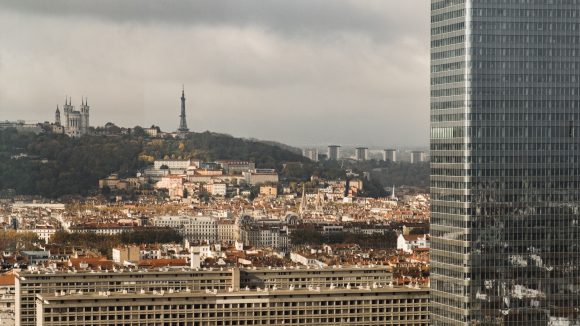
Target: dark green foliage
[(373, 188), (104, 243), (58, 165), (311, 236), (394, 173), (211, 146), (149, 236), (406, 174)]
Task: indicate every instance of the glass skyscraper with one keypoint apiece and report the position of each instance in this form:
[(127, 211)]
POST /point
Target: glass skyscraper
[(505, 153)]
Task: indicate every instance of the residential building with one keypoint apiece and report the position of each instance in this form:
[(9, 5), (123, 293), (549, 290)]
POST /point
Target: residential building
[(193, 228), (236, 167), (260, 176), (215, 189), (410, 242), (201, 228), (333, 152), (269, 191), (390, 155), (174, 165), (7, 299), (342, 306), (361, 153), (417, 156), (36, 257), (265, 237), (504, 162), (227, 231), (302, 278), (311, 154), (30, 283), (126, 254), (174, 185), (44, 232)]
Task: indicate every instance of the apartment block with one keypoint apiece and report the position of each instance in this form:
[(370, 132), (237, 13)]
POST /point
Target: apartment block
[(29, 284), (364, 306)]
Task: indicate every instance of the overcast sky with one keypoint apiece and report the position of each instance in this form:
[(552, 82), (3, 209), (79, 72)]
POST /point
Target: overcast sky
[(302, 72)]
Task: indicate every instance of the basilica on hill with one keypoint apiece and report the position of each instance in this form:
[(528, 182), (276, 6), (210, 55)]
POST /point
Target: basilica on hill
[(75, 123)]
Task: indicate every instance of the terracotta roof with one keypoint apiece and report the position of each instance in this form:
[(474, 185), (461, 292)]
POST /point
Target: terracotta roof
[(7, 279), (162, 262)]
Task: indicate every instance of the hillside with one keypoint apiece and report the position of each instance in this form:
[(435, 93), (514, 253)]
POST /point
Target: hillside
[(55, 165)]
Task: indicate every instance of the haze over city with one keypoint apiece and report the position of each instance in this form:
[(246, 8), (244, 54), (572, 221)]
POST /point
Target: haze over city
[(298, 72)]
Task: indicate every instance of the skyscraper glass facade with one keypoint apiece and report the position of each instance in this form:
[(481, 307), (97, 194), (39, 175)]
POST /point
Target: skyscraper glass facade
[(505, 153)]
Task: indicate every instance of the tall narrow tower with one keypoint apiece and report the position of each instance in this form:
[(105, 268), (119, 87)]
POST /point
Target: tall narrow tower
[(57, 116), (182, 120), (67, 108), (85, 116)]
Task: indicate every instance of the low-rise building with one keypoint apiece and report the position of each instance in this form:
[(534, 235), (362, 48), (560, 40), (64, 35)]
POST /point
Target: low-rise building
[(260, 176), (126, 254), (269, 191), (236, 167), (216, 189), (7, 299), (410, 242), (345, 306), (30, 283)]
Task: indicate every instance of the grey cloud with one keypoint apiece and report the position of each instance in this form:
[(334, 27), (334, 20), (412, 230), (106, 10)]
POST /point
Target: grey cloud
[(297, 71), (295, 17)]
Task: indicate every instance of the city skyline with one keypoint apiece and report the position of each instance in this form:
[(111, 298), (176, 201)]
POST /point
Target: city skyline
[(301, 72)]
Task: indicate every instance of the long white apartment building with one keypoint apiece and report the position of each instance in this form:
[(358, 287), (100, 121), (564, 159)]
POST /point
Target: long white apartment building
[(29, 284), (343, 306)]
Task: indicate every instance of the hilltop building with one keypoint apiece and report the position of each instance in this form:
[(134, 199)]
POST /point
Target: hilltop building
[(75, 122)]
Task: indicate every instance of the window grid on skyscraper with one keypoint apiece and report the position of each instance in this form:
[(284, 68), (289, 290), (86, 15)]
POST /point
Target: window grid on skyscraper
[(505, 177)]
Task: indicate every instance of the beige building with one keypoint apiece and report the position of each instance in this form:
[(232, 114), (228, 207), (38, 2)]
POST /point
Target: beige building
[(227, 231), (29, 283), (269, 191), (302, 277), (365, 306), (260, 176), (7, 291), (129, 253)]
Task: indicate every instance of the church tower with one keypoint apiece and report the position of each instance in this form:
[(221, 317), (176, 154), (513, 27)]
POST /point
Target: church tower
[(182, 121), (84, 116), (67, 108), (57, 116)]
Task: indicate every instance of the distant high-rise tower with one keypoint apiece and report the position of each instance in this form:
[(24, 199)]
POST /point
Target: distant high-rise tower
[(505, 162), (182, 120), (57, 116), (390, 155), (333, 152), (311, 153), (417, 156), (361, 153)]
